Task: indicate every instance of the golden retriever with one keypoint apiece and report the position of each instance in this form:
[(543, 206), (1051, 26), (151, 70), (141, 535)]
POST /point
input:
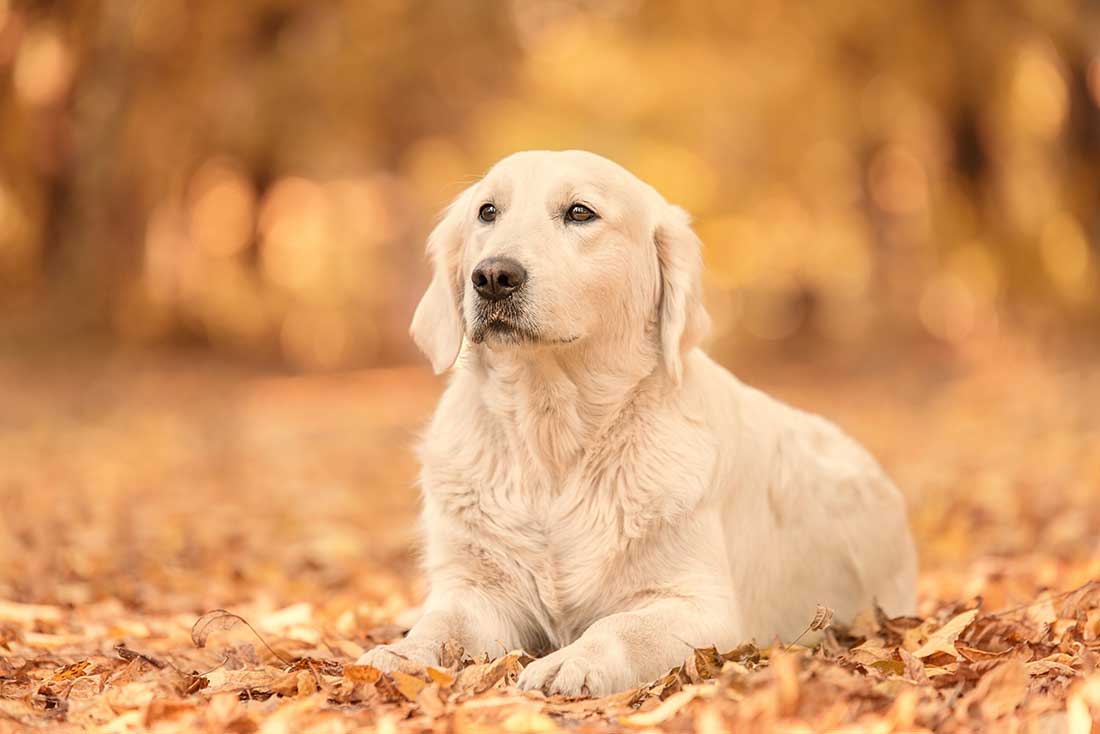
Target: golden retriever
[(595, 488)]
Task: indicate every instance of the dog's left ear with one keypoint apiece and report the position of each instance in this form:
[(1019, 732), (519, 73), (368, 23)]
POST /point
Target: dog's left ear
[(683, 319), (437, 325)]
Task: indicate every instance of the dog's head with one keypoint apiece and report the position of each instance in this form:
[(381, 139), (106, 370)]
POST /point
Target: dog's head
[(555, 248)]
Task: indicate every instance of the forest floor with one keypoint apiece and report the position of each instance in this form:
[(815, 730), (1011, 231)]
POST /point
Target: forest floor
[(141, 491)]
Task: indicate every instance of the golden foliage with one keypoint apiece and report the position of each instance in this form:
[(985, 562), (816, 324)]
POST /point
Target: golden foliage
[(261, 174), (160, 491)]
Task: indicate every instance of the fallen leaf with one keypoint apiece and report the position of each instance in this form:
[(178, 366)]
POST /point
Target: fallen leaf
[(409, 686), (662, 713), (482, 676), (362, 673), (28, 614), (221, 620), (215, 621), (72, 671), (706, 663), (430, 701), (823, 617), (890, 667), (914, 668), (441, 677), (999, 691), (127, 654), (529, 721), (943, 639)]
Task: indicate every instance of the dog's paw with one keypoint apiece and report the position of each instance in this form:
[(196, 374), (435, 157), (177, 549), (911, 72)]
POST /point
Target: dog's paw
[(572, 673), (405, 655)]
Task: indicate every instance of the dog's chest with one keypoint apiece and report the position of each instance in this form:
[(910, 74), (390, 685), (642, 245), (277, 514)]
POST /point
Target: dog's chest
[(559, 512), (564, 551), (565, 542)]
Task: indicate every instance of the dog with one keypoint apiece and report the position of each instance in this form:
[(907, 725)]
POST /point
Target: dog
[(595, 488)]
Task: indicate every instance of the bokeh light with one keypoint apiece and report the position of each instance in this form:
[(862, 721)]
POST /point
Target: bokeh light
[(260, 176)]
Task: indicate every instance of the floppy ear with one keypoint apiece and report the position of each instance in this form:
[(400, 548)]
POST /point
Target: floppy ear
[(437, 324), (683, 319)]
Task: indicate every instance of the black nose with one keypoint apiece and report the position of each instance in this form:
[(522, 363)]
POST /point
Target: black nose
[(495, 278)]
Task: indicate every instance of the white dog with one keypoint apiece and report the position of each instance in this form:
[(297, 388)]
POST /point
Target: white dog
[(595, 487)]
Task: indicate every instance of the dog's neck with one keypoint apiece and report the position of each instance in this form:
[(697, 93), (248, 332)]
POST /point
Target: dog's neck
[(555, 402)]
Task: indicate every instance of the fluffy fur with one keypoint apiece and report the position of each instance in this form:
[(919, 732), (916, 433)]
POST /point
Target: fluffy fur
[(595, 488)]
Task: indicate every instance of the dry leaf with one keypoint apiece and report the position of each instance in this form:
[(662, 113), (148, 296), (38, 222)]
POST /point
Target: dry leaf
[(28, 614), (999, 691), (441, 677), (705, 663), (482, 676), (665, 711), (529, 721), (823, 617), (362, 673), (127, 654), (409, 686), (451, 655), (215, 621), (220, 620), (889, 667), (72, 671), (430, 701), (943, 639), (914, 668)]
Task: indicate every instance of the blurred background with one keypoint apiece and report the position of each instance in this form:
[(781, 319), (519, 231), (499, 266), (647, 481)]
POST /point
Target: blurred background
[(212, 218), (257, 177)]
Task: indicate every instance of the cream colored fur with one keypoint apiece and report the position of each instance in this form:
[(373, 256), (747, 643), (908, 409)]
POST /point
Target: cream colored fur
[(600, 491)]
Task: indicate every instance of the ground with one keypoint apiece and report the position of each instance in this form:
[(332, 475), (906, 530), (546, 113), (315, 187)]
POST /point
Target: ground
[(140, 492)]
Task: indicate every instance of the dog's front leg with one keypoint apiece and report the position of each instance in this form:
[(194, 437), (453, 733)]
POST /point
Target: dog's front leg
[(627, 649), (464, 615)]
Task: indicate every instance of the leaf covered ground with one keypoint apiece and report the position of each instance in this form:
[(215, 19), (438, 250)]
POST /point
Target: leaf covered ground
[(191, 546)]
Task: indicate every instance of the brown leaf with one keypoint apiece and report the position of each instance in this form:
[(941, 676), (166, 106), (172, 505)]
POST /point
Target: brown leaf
[(663, 687), (528, 720), (999, 691), (430, 701), (973, 654), (744, 653), (1079, 600), (69, 672), (409, 686), (220, 620), (890, 667), (662, 713), (127, 654), (441, 677), (823, 617), (215, 621), (318, 666), (895, 630), (943, 639), (362, 673), (451, 655), (706, 663), (483, 676), (914, 668), (785, 667), (187, 684), (295, 683)]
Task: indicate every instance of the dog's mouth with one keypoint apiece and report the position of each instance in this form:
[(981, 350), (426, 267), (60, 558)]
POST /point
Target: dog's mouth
[(501, 322), (504, 331), (505, 322)]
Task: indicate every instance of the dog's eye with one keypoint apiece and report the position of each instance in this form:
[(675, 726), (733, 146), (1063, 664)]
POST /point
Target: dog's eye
[(487, 213), (579, 213)]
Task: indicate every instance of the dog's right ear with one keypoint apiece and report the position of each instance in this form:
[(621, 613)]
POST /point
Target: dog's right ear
[(437, 325)]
